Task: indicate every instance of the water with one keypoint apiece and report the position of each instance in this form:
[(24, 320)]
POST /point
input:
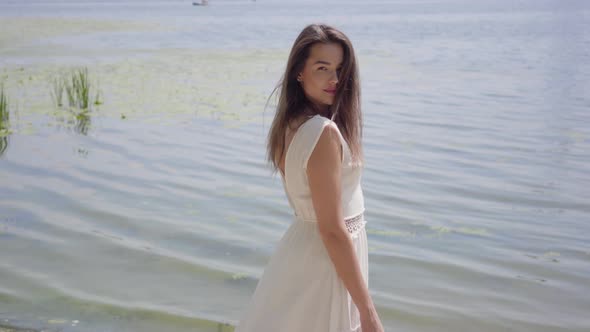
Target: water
[(156, 211)]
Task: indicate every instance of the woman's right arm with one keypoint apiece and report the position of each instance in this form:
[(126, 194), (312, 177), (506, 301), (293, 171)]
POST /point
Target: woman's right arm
[(323, 172)]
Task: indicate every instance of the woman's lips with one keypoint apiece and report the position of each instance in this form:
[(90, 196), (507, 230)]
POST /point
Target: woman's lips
[(330, 91)]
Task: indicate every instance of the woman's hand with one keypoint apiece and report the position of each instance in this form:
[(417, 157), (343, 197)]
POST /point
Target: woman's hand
[(370, 322)]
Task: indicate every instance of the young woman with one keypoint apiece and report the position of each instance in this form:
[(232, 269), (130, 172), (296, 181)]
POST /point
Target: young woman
[(317, 279)]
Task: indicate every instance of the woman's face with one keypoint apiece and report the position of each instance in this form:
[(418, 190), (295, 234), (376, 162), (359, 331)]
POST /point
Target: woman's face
[(319, 77)]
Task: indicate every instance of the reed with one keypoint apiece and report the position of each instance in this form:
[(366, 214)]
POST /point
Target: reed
[(97, 98), (78, 89), (4, 121), (57, 90), (4, 113)]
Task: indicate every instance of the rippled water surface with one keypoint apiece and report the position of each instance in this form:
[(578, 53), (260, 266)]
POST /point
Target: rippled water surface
[(155, 210)]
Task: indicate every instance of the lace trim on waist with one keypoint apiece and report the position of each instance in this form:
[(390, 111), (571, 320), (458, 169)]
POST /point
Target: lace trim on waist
[(353, 224)]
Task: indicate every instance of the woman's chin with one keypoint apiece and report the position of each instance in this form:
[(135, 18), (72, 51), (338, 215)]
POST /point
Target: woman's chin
[(328, 102)]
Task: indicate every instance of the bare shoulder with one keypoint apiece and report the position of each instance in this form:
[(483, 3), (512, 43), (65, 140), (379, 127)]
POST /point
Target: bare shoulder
[(330, 134), (327, 151)]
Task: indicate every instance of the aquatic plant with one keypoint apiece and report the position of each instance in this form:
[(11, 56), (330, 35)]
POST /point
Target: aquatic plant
[(57, 90), (4, 113), (78, 89), (4, 121), (97, 100)]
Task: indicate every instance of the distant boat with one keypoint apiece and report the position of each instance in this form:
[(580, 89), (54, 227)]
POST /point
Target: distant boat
[(202, 3)]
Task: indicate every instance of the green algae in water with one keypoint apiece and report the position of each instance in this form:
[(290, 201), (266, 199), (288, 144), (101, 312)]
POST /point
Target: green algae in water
[(80, 121), (389, 233), (239, 276), (169, 84), (472, 231)]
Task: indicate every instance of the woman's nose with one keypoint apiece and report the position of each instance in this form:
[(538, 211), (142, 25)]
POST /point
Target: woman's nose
[(334, 78)]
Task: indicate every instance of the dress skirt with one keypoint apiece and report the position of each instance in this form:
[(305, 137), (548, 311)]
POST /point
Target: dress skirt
[(300, 289)]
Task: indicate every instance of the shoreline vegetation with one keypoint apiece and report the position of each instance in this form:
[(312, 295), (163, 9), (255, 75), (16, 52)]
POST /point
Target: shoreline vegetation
[(82, 98), (171, 83), (6, 328), (177, 83)]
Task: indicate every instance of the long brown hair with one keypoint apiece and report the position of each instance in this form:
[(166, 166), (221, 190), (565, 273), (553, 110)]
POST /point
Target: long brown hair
[(345, 110)]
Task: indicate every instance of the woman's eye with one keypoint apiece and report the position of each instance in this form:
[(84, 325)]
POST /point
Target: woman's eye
[(322, 68)]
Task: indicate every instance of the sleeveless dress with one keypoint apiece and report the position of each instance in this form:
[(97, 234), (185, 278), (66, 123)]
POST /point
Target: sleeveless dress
[(300, 289)]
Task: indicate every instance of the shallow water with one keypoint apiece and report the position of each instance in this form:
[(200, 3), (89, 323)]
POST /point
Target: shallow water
[(155, 211)]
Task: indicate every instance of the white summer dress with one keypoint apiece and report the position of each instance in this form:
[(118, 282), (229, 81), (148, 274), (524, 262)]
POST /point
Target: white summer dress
[(300, 290)]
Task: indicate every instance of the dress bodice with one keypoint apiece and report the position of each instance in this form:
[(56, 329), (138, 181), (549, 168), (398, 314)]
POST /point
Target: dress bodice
[(295, 180)]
